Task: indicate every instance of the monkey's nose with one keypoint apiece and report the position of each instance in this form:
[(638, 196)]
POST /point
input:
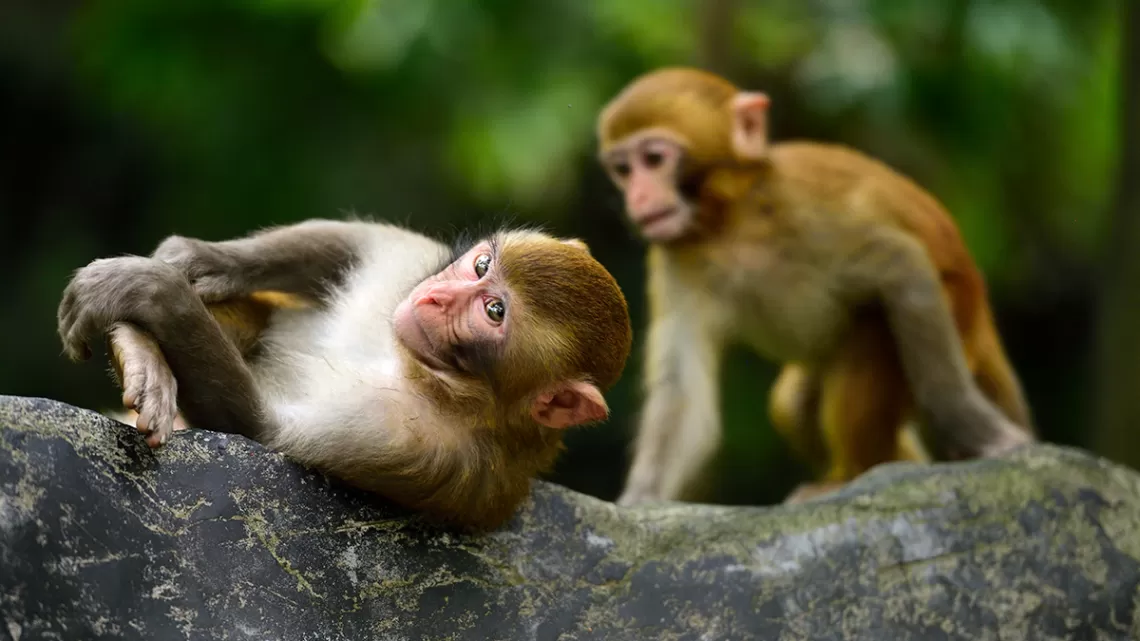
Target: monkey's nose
[(437, 296)]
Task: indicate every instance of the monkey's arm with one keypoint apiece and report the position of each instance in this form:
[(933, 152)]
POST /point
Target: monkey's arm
[(301, 259), (679, 428), (958, 421), (215, 388)]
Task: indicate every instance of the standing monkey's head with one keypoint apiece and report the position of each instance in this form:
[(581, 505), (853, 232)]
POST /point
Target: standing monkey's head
[(534, 324), (663, 134)]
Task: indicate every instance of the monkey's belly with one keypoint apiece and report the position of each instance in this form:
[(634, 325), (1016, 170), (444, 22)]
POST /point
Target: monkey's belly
[(803, 324)]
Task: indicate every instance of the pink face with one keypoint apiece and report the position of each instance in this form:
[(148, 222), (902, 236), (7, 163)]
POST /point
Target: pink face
[(456, 315), (646, 169)]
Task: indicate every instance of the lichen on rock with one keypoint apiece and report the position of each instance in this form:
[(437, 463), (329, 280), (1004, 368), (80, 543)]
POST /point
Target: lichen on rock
[(215, 537)]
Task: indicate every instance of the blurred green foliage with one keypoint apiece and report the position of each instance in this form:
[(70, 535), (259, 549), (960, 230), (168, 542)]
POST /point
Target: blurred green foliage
[(122, 122)]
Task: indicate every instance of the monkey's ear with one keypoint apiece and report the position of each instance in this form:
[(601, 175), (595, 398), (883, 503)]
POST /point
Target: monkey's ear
[(750, 125), (579, 243), (568, 404)]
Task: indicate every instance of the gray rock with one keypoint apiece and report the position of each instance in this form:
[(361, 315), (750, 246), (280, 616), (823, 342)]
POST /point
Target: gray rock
[(214, 537)]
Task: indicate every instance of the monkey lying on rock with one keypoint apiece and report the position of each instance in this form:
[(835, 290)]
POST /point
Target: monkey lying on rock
[(440, 379)]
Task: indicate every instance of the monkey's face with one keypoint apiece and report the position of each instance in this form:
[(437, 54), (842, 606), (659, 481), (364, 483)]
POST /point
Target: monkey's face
[(648, 170), (457, 320)]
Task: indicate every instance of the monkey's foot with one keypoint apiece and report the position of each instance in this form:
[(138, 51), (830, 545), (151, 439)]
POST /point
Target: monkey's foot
[(633, 496), (808, 491), (148, 384), (1012, 438), (152, 393)]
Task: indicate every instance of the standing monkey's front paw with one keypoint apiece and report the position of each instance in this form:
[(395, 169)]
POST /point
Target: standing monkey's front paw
[(211, 271), (635, 496)]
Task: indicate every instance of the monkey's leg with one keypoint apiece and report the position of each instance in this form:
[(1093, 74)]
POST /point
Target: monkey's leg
[(301, 259), (679, 429), (793, 409), (215, 387), (958, 421), (148, 384), (863, 405)]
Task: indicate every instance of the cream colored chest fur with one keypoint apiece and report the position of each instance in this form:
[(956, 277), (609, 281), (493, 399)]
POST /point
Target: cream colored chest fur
[(778, 304)]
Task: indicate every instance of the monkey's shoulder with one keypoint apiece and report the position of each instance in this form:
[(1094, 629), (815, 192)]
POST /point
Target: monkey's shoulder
[(852, 189)]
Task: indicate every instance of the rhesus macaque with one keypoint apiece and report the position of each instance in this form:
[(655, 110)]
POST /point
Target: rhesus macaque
[(813, 255), (442, 380)]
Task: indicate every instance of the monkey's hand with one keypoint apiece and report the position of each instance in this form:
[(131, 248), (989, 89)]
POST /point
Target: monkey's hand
[(116, 297), (214, 272), (132, 289), (636, 495)]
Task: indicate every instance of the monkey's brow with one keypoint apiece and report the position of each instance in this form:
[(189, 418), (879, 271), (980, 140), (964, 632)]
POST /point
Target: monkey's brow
[(466, 240)]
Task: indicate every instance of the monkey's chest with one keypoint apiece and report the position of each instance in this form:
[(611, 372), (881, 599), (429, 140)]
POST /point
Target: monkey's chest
[(785, 312)]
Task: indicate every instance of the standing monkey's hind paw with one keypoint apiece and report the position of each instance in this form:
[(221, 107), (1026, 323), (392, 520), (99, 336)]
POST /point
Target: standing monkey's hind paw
[(808, 491)]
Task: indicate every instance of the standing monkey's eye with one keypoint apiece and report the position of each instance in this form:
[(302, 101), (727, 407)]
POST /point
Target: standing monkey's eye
[(482, 264), (495, 310), (653, 159), (621, 169)]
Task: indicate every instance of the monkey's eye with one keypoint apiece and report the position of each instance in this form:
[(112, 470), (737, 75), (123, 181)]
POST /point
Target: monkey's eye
[(621, 169), (653, 159), (495, 310), (482, 264)]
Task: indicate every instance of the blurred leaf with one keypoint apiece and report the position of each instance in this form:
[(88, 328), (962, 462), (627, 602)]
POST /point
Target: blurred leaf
[(518, 146), (377, 34), (658, 30)]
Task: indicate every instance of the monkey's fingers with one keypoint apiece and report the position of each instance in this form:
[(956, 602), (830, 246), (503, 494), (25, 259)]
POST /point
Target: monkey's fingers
[(160, 424), (156, 420), (633, 496), (150, 389)]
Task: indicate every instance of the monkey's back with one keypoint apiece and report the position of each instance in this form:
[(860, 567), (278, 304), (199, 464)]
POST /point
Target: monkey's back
[(855, 185)]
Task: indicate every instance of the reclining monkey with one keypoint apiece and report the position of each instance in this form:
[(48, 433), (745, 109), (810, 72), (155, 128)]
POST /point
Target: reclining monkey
[(440, 379)]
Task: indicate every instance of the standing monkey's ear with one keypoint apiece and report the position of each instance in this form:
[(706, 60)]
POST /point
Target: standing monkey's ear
[(568, 404), (750, 125)]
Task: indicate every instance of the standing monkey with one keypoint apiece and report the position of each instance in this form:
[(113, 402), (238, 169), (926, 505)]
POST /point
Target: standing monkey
[(440, 379), (813, 255)]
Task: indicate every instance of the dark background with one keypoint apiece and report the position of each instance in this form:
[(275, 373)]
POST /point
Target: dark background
[(123, 122)]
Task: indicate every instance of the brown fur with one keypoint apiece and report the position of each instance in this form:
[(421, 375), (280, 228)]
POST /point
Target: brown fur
[(561, 289), (444, 442), (823, 232)]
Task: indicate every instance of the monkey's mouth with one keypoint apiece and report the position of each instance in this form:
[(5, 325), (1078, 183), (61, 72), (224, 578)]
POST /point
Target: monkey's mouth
[(656, 216), (423, 349), (662, 225)]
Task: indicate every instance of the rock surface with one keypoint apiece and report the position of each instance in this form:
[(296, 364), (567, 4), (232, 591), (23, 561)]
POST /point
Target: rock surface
[(214, 537)]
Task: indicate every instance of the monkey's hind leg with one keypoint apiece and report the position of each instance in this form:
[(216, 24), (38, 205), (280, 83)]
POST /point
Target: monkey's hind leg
[(864, 402), (148, 384), (793, 410)]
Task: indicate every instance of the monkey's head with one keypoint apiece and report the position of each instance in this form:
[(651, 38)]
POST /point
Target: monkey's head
[(535, 320), (662, 135)]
